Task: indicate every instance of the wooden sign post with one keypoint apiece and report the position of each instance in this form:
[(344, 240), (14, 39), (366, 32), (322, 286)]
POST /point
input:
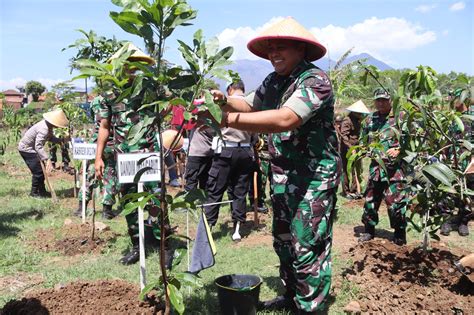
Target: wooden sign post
[(127, 167)]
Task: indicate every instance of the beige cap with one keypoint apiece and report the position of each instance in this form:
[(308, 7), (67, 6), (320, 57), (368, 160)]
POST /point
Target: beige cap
[(287, 29), (56, 118), (358, 107), (168, 137), (137, 54)]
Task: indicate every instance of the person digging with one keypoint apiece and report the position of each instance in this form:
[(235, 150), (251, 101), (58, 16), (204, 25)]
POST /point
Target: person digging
[(31, 148)]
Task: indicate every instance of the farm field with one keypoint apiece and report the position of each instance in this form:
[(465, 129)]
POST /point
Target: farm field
[(46, 256)]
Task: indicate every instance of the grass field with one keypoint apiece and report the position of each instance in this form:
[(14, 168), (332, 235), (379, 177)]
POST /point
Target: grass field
[(23, 267)]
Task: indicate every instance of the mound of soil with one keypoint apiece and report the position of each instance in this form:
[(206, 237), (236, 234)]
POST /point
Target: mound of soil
[(101, 297), (394, 278), (72, 239)]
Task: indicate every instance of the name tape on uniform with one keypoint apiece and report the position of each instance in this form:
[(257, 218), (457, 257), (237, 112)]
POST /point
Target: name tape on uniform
[(128, 167), (84, 151)]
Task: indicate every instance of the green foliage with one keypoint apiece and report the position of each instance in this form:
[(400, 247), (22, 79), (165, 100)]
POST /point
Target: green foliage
[(34, 88), (434, 159), (94, 47), (158, 87)]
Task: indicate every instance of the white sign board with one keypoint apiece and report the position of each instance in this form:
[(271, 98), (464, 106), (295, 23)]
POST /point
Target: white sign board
[(127, 167), (84, 151)]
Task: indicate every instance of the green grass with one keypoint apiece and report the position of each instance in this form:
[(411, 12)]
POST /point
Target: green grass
[(21, 216)]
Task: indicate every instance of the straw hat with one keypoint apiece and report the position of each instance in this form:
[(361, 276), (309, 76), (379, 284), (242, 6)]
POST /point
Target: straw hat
[(287, 29), (168, 137), (137, 54), (358, 107), (56, 118)]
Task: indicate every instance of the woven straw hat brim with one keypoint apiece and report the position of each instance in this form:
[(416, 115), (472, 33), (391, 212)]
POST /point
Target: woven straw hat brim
[(137, 54), (291, 30), (358, 107), (56, 118), (168, 137)]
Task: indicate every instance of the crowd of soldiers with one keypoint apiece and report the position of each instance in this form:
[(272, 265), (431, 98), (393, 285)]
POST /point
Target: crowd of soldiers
[(285, 131)]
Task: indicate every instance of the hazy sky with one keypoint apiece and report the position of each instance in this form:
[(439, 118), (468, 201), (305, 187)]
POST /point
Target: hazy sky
[(402, 33)]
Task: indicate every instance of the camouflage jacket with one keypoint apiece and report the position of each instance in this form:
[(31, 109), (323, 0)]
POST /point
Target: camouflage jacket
[(123, 117), (307, 154), (377, 127)]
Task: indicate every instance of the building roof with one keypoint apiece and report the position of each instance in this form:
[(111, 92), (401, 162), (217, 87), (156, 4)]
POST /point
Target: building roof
[(12, 92)]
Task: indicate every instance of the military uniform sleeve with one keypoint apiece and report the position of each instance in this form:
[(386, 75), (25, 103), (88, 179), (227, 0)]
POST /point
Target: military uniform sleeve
[(104, 109), (312, 94)]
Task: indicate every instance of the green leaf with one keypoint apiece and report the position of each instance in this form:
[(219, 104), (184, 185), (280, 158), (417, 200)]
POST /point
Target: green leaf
[(225, 53), (182, 82), (136, 133), (212, 107), (129, 208), (222, 74), (441, 172), (212, 45), (137, 86), (188, 279), (459, 123), (178, 257), (147, 289), (176, 298)]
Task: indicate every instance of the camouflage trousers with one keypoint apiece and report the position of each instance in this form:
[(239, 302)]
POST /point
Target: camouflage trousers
[(53, 156), (302, 239), (396, 198), (152, 228), (109, 183)]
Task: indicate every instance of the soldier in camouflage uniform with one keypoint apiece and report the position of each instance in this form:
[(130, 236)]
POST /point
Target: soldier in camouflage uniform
[(295, 105), (390, 187), (121, 117), (109, 181), (461, 220)]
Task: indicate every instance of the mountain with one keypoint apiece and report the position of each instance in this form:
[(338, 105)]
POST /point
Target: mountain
[(253, 72), (369, 60)]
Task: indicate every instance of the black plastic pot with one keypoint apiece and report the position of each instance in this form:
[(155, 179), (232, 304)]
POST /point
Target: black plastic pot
[(238, 294)]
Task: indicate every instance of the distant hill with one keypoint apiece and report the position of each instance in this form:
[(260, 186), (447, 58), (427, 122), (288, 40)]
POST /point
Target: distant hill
[(253, 72), (369, 60)]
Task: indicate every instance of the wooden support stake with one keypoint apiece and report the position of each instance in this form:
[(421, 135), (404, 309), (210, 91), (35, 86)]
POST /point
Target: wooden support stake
[(255, 201)]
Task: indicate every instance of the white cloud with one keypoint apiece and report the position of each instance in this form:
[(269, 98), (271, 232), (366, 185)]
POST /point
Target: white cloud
[(374, 36), (425, 8), (445, 32), (239, 37), (458, 6), (378, 37), (13, 83)]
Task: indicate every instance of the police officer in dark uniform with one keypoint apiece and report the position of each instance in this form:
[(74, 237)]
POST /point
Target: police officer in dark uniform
[(231, 168)]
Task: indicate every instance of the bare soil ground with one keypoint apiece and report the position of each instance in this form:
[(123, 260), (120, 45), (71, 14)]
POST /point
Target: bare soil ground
[(72, 239), (402, 278), (101, 297)]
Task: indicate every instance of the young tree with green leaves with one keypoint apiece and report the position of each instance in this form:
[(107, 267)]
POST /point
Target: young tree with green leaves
[(157, 88), (436, 174)]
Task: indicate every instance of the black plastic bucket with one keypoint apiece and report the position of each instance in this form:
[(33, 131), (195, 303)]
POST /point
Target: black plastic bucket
[(238, 294)]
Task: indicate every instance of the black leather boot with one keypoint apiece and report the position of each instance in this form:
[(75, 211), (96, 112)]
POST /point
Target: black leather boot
[(78, 211), (281, 302), (368, 234), (400, 237), (132, 256), (108, 213)]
